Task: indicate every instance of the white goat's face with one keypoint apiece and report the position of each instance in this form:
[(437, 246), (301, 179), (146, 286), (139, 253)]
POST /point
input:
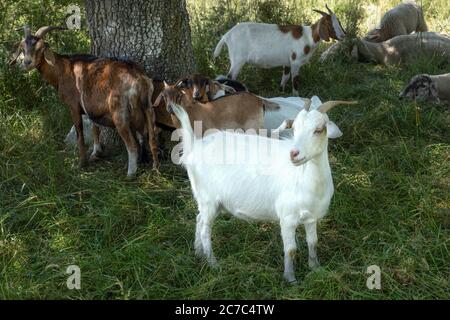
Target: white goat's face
[(310, 136)]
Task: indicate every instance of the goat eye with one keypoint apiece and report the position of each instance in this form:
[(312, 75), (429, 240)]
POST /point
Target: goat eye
[(319, 130)]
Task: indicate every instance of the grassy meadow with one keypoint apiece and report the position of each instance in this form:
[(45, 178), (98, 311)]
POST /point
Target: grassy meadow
[(134, 240)]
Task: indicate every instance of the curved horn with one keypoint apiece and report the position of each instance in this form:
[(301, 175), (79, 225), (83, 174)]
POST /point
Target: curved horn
[(321, 12), (329, 10), (44, 30), (327, 106)]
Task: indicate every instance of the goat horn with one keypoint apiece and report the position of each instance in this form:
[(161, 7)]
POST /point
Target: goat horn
[(26, 29), (44, 30), (329, 10), (321, 12), (327, 106)]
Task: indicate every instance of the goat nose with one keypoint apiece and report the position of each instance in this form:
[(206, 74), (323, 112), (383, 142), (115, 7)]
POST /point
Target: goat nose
[(294, 153), (27, 62)]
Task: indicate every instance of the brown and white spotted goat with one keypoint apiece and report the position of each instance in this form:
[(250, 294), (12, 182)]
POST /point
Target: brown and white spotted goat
[(270, 45), (112, 93)]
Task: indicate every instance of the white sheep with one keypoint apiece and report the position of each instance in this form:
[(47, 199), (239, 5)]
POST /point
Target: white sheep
[(427, 87), (258, 178), (270, 45), (403, 19), (403, 48)]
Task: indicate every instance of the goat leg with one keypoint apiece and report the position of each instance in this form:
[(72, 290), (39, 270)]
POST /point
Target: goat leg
[(78, 123), (97, 151)]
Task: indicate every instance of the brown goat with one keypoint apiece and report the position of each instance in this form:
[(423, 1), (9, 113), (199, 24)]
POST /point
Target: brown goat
[(202, 88), (112, 93), (242, 110)]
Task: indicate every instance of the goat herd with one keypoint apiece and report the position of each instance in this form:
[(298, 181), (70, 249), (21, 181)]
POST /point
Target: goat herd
[(252, 176)]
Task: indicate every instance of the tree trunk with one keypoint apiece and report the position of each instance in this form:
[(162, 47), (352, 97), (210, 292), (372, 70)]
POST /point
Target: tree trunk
[(153, 33)]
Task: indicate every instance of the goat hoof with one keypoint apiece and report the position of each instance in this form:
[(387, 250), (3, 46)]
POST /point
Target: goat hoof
[(94, 158), (83, 163), (313, 263), (156, 166), (130, 177), (213, 263), (290, 279)]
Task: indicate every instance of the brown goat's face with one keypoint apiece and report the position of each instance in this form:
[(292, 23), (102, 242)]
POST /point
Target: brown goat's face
[(170, 94), (195, 86), (420, 88), (330, 26), (33, 51)]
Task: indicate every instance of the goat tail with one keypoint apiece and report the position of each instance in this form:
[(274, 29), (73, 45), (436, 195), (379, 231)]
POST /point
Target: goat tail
[(150, 119), (187, 131), (220, 46)]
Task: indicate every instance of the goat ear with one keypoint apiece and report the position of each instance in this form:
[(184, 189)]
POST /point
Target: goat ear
[(49, 57), (323, 31), (333, 131), (158, 100), (16, 54)]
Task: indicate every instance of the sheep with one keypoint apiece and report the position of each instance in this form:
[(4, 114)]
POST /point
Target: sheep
[(427, 87), (401, 20), (270, 45), (111, 92), (402, 48), (241, 110), (263, 179)]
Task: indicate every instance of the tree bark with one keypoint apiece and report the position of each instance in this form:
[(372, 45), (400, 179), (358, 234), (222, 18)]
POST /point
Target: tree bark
[(153, 33)]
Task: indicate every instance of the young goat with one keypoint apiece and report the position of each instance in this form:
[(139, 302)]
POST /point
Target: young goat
[(286, 181), (202, 88), (241, 110), (270, 45), (112, 93)]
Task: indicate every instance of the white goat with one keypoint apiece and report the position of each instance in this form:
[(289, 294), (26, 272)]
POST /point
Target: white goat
[(280, 121), (287, 181), (271, 45)]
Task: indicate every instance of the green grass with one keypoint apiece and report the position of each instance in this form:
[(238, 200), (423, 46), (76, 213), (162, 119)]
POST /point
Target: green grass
[(134, 240)]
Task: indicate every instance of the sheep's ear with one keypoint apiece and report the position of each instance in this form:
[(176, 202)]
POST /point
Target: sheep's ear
[(49, 57), (434, 92), (333, 131), (374, 35)]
